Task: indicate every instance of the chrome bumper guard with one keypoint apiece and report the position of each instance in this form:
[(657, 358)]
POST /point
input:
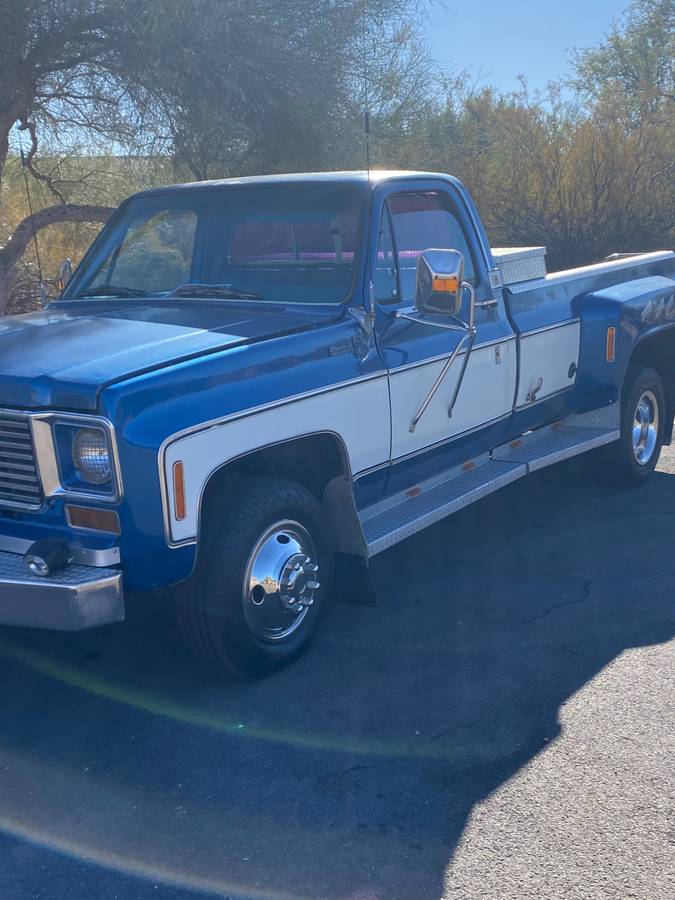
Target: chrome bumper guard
[(74, 599)]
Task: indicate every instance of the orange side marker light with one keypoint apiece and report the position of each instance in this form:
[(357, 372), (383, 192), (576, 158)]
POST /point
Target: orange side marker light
[(178, 491), (611, 343)]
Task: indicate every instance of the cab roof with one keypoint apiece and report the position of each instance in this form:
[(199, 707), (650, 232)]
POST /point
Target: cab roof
[(374, 177)]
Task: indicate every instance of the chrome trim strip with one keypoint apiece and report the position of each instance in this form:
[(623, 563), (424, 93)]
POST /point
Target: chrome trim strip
[(82, 556), (233, 417), (165, 495), (566, 275), (47, 460), (371, 469), (435, 359), (264, 407), (454, 437), (544, 399), (10, 504), (436, 446), (555, 325)]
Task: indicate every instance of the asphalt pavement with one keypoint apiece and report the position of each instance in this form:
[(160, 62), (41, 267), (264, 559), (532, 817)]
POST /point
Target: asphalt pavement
[(499, 726)]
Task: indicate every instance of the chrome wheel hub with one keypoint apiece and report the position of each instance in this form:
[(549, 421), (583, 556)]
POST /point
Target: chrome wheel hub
[(645, 428), (280, 581)]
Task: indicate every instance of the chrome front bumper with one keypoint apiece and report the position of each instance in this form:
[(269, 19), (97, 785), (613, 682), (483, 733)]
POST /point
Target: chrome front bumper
[(74, 599)]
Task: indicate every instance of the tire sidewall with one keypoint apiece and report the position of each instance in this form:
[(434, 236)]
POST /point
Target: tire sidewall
[(639, 380), (223, 574)]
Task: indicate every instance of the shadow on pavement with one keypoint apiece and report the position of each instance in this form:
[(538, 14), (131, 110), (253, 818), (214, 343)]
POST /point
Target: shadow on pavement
[(125, 771)]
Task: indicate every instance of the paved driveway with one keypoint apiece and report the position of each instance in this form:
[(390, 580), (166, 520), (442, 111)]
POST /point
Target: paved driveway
[(500, 726)]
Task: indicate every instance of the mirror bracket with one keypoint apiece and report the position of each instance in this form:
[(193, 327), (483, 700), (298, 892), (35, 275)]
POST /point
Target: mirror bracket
[(414, 315), (468, 337)]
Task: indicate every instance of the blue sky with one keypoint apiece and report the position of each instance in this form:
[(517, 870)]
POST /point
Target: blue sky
[(497, 40)]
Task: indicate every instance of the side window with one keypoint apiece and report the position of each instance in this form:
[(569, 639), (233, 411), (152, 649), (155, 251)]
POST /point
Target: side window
[(423, 221), (385, 281)]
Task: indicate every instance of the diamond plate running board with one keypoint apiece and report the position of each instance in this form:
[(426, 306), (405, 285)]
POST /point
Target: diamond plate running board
[(400, 516), (562, 440), (404, 514)]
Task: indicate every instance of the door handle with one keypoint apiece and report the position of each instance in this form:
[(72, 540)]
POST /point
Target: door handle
[(532, 394), (486, 304)]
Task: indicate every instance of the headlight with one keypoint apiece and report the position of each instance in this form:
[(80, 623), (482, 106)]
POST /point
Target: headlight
[(91, 455), (77, 456)]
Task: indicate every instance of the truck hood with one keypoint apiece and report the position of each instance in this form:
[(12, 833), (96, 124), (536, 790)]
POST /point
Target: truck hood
[(64, 355)]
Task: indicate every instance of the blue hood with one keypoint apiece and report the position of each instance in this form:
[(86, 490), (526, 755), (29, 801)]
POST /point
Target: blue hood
[(63, 356)]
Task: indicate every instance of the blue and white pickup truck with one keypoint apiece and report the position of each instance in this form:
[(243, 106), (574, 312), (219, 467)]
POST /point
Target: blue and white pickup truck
[(249, 388)]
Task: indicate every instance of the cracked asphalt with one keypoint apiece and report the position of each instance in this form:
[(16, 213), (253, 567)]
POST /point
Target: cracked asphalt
[(499, 726)]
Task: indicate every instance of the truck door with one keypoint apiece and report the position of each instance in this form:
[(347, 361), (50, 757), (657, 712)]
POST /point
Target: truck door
[(411, 218)]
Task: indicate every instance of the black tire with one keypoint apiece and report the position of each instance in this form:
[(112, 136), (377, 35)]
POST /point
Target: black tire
[(619, 461), (214, 613)]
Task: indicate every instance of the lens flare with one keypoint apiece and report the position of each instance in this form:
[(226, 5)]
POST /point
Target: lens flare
[(156, 704)]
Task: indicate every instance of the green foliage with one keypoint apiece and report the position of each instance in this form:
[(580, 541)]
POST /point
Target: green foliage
[(586, 176), (636, 60)]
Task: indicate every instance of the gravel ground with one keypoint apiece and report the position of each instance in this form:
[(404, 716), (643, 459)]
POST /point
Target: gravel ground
[(499, 726)]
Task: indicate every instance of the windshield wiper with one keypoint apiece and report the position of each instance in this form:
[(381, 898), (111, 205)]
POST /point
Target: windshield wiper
[(112, 290), (224, 291)]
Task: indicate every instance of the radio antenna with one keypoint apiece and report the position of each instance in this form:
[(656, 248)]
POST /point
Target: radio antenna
[(24, 167), (366, 92)]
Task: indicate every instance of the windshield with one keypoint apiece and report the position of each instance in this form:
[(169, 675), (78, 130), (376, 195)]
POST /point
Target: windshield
[(283, 243)]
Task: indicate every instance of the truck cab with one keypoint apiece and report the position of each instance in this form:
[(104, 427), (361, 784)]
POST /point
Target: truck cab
[(249, 388)]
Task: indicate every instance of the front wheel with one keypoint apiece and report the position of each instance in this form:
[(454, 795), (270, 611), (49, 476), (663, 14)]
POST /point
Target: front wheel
[(633, 458), (257, 596)]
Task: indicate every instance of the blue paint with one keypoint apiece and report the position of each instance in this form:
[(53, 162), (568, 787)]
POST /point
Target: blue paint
[(620, 305), (155, 367), (413, 469)]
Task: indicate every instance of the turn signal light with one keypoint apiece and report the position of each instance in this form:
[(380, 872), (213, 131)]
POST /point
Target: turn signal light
[(611, 342), (93, 519), (445, 285), (178, 491)]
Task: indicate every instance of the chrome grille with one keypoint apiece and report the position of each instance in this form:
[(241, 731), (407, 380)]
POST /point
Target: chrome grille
[(19, 481)]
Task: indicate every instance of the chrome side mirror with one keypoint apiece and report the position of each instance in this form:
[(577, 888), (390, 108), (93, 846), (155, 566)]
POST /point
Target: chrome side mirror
[(440, 279), (65, 274)]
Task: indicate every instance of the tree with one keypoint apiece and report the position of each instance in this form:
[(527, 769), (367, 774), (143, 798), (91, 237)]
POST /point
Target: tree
[(637, 59), (217, 85), (586, 174)]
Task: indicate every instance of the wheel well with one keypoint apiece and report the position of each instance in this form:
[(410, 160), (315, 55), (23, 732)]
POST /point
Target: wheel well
[(658, 352), (317, 461)]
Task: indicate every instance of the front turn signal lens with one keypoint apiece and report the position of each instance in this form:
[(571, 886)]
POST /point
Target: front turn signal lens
[(611, 344), (93, 519)]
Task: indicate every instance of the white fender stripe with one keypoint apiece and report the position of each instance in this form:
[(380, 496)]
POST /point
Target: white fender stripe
[(358, 413)]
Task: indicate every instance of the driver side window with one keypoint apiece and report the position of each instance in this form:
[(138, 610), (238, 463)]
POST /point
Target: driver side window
[(423, 220)]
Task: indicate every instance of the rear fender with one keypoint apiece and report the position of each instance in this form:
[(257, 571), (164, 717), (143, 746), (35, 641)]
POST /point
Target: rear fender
[(642, 314)]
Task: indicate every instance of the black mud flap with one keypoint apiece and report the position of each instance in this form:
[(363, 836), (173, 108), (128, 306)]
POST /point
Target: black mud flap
[(353, 583)]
